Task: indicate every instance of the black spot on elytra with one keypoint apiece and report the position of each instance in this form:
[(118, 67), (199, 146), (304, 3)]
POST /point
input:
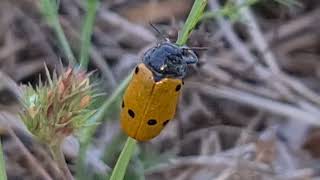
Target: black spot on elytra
[(152, 122), (122, 105), (136, 70), (131, 113), (178, 87), (165, 122)]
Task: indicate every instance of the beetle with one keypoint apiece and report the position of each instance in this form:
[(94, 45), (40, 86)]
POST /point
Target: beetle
[(151, 97)]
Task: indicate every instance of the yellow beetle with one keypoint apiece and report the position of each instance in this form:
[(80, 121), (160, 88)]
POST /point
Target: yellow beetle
[(151, 97)]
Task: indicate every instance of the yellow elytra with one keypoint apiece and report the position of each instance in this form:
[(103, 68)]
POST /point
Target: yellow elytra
[(147, 105)]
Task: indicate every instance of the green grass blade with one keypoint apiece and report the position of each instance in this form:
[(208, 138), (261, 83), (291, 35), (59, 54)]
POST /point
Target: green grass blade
[(98, 117), (3, 175), (87, 29), (123, 160), (289, 3), (49, 9), (192, 20), (229, 10)]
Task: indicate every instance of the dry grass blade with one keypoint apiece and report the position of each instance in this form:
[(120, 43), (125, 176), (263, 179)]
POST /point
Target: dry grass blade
[(259, 102)]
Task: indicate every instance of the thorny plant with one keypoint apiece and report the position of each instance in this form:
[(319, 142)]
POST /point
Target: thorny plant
[(59, 108)]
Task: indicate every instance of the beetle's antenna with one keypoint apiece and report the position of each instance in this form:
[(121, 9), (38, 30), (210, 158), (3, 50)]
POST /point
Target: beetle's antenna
[(157, 30)]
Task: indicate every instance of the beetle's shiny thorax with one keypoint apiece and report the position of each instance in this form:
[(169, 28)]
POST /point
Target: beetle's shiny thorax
[(169, 60)]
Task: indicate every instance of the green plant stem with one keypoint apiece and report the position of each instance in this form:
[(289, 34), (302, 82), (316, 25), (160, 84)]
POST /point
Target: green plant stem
[(49, 9), (96, 119), (92, 6), (58, 156), (290, 3), (192, 20), (3, 175), (123, 160), (228, 10)]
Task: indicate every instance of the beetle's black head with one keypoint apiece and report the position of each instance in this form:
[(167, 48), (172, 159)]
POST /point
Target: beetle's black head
[(169, 60)]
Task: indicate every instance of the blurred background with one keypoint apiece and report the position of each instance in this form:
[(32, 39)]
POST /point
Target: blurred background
[(249, 110)]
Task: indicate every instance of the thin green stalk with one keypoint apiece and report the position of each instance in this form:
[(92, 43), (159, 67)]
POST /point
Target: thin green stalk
[(97, 118), (58, 156), (3, 175), (289, 3), (192, 20), (127, 151), (92, 6), (230, 10), (49, 9), (123, 160)]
